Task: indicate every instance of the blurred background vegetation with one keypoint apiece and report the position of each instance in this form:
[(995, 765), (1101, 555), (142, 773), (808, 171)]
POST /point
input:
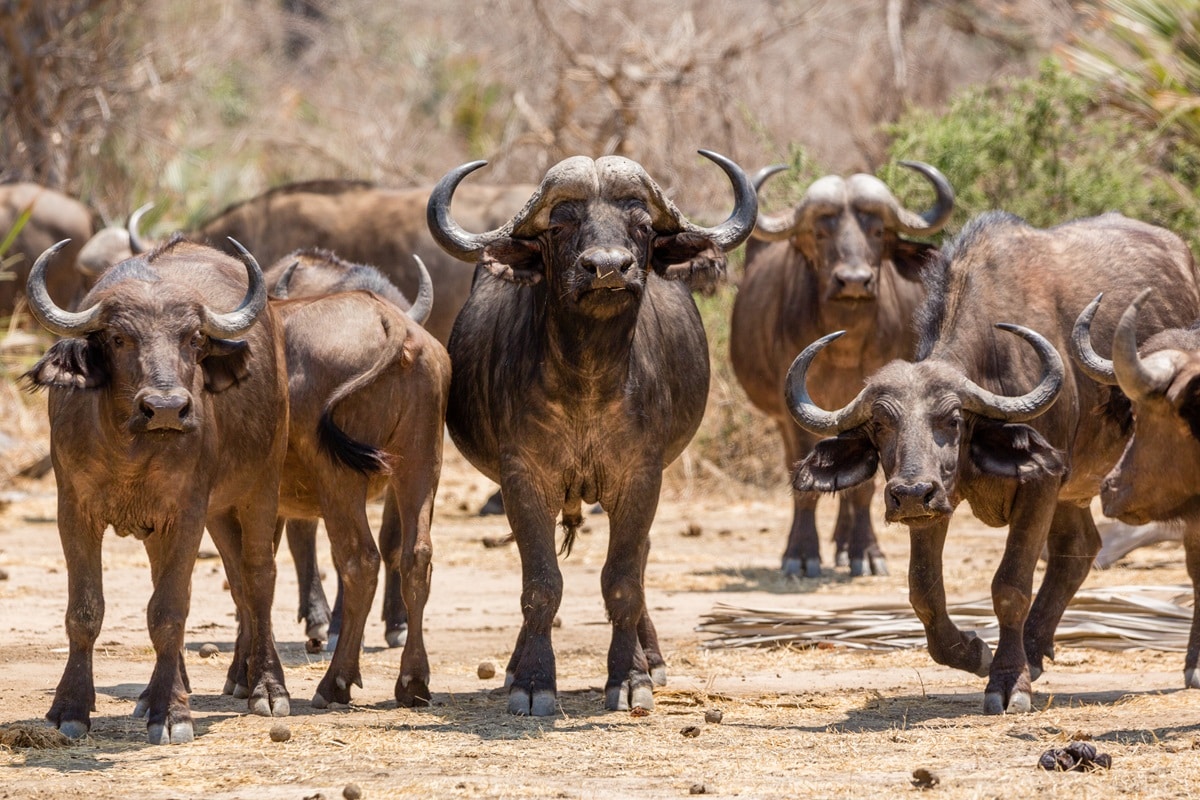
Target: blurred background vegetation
[(1050, 109)]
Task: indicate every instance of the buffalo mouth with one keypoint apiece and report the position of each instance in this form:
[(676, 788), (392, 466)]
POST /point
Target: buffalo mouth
[(1187, 510), (915, 519)]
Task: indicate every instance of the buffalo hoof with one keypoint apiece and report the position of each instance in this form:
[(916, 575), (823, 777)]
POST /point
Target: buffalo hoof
[(658, 675), (278, 706), (314, 646), (73, 729), (871, 565), (985, 659), (336, 692), (623, 697), (842, 559), (795, 567), (179, 733), (413, 693), (1018, 703), (319, 632), (141, 708), (544, 703), (397, 637), (1191, 678)]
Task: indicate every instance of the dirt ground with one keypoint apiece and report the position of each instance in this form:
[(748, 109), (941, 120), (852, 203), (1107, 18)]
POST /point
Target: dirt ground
[(796, 723)]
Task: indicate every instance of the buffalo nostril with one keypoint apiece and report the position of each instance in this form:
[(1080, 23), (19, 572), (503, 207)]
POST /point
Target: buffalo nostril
[(165, 410)]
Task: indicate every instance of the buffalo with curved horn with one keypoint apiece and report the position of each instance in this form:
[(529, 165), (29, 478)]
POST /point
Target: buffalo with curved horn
[(835, 261), (1013, 430), (167, 416), (1158, 475), (580, 370)]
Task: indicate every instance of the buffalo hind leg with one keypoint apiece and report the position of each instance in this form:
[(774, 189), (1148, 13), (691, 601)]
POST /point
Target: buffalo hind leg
[(75, 697), (855, 535), (1191, 550), (391, 544), (802, 556), (412, 497), (1072, 544), (314, 607)]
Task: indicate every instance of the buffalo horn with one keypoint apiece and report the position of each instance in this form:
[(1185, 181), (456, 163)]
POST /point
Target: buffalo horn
[(1027, 406), (809, 415), (1094, 365), (932, 220), (53, 318), (1136, 377), (284, 284), (424, 302), (136, 245), (452, 238), (772, 227), (235, 323), (734, 230)]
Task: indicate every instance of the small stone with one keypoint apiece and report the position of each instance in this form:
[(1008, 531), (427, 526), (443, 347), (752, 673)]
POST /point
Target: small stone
[(313, 646), (693, 530), (690, 732), (485, 670), (208, 650), (698, 788), (352, 792), (3, 574), (924, 778), (280, 732), (557, 622), (713, 716), (225, 584)]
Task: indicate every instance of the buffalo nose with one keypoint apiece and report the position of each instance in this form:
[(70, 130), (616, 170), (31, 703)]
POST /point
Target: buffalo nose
[(854, 281), (608, 264), (920, 494), (164, 411)]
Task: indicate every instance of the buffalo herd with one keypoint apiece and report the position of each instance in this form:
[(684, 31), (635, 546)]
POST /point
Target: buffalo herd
[(1023, 370)]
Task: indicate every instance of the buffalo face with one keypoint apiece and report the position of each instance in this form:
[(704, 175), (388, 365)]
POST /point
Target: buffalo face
[(926, 424)]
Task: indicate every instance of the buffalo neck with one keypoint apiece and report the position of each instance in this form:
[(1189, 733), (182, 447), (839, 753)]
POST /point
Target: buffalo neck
[(586, 352)]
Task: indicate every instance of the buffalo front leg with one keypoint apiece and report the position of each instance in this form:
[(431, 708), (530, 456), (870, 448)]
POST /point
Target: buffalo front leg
[(1191, 550), (854, 535), (343, 507), (927, 593), (314, 607), (1072, 543), (164, 704), (802, 556), (75, 697), (391, 545), (621, 581)]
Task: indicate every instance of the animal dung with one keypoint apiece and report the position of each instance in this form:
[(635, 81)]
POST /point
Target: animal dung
[(690, 731), (1075, 757), (352, 791), (698, 788), (713, 716), (485, 670), (924, 778), (497, 541), (208, 650), (639, 711), (280, 732), (693, 530)]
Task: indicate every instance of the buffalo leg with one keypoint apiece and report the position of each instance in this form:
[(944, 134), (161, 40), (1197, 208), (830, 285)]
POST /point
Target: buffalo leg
[(532, 686), (629, 683), (927, 593), (802, 555), (864, 555), (391, 544), (172, 556), (1034, 507), (314, 607), (75, 697), (1191, 550), (237, 678), (357, 562), (1072, 543)]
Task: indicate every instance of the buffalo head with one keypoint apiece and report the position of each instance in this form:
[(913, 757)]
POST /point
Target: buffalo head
[(594, 230), (1158, 475), (151, 347), (845, 228), (926, 422)]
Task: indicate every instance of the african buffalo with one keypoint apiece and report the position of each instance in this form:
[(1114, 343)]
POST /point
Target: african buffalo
[(580, 372), (1158, 476), (945, 427), (167, 416), (367, 388), (52, 217), (309, 273), (366, 224), (834, 262)]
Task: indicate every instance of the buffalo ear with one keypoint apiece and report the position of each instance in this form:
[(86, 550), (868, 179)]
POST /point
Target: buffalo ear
[(1186, 399), (225, 363), (518, 261), (838, 463), (70, 364), (1013, 450), (911, 258), (688, 256)]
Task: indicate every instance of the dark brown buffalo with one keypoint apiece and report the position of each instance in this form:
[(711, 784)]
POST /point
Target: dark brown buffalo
[(310, 273), (580, 372), (167, 415), (1158, 476), (366, 224), (367, 390), (834, 262), (951, 426), (52, 217)]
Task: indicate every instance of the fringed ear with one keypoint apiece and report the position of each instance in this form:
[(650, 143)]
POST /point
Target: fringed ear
[(1185, 396), (70, 364), (838, 463), (225, 364), (1012, 450), (516, 260), (690, 257), (911, 258)]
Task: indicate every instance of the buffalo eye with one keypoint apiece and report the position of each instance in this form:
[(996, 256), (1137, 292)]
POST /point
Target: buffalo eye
[(116, 340), (824, 226), (197, 340), (871, 225)]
